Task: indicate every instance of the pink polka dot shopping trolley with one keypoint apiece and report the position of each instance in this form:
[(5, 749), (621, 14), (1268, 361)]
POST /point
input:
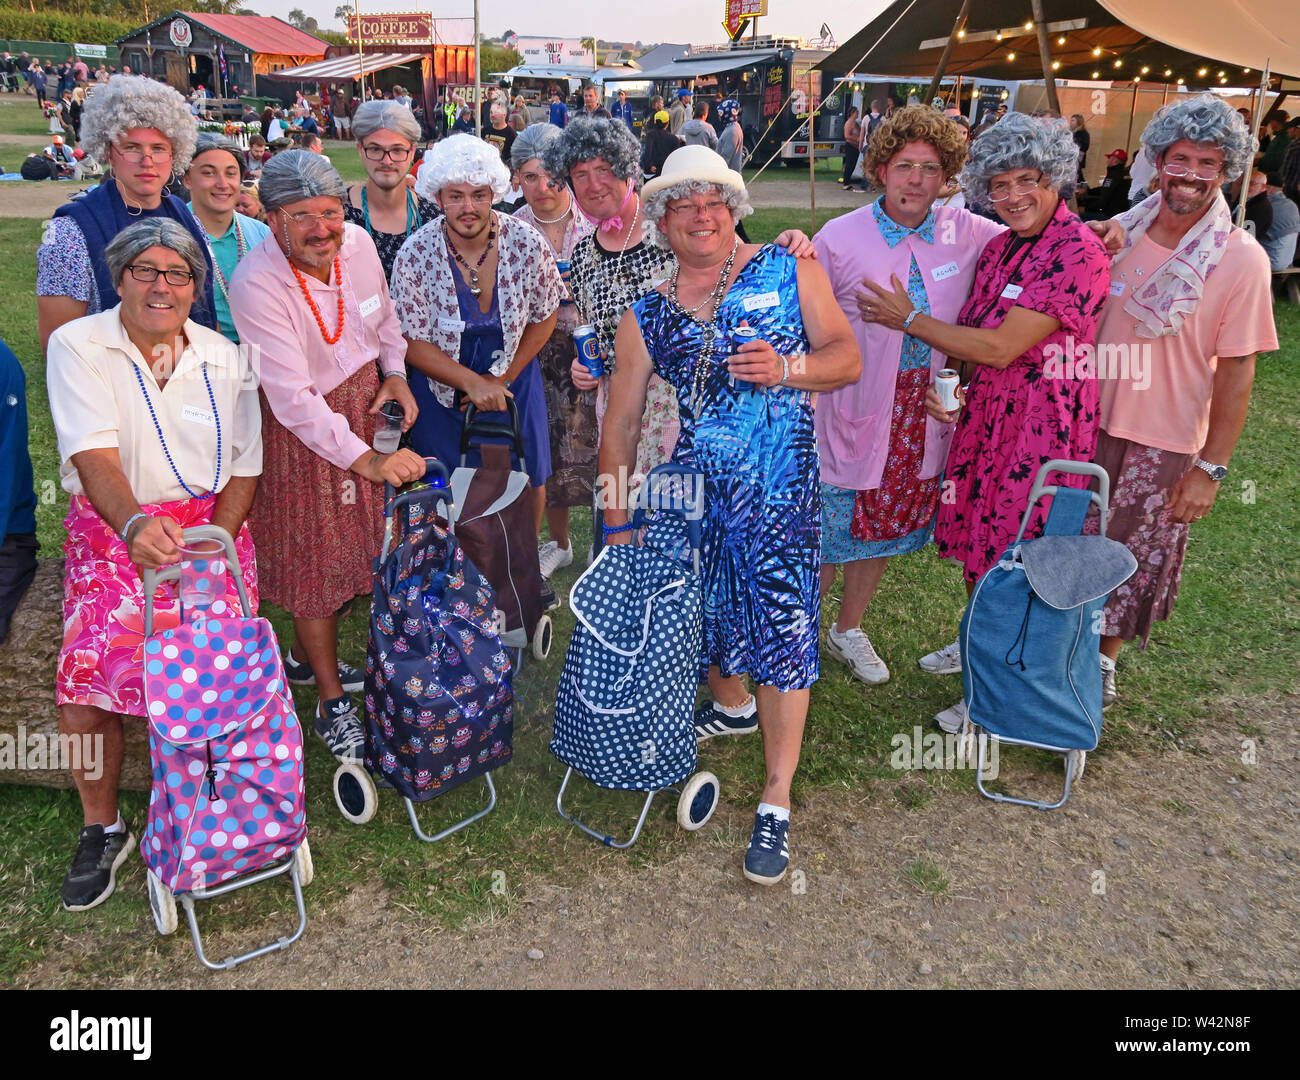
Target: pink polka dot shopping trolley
[(226, 809)]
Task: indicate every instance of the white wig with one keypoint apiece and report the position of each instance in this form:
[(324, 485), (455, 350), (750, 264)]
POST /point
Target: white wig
[(127, 102), (462, 159)]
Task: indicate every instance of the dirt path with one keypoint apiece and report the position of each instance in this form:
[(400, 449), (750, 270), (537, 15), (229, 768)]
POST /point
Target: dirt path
[(1166, 869)]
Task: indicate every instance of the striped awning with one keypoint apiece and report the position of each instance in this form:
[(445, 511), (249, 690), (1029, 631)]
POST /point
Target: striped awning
[(344, 67)]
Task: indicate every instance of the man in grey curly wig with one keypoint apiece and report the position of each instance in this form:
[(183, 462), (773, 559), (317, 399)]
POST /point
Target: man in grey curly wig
[(1189, 309)]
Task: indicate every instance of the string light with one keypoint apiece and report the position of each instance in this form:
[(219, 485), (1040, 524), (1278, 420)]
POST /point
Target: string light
[(1056, 65), (1168, 72), (1119, 63), (1096, 74), (1096, 50), (1181, 81), (1203, 72), (1061, 40), (961, 33), (1011, 56), (1145, 70), (1029, 25)]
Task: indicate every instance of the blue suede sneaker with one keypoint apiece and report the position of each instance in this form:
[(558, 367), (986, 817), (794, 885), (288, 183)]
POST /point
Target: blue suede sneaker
[(769, 852), (300, 672), (710, 720)]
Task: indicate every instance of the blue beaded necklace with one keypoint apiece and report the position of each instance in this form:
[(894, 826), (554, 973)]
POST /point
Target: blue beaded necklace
[(216, 416)]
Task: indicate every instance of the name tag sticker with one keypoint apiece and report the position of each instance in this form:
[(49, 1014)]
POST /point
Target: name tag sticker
[(370, 306), (762, 300), (452, 326), (1013, 291), (1117, 288), (196, 415), (945, 271)]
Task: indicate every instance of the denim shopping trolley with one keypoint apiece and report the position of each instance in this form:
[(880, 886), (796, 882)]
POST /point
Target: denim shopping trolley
[(226, 808), (439, 689), (1030, 636), (624, 713)]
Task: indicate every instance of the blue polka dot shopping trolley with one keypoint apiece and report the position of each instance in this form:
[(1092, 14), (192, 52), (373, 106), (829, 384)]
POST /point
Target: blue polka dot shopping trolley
[(226, 809), (1031, 633), (625, 707), (439, 691)]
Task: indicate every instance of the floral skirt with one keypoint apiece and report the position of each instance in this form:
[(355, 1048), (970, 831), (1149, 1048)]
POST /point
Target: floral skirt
[(102, 659), (318, 527), (571, 415), (1141, 479)]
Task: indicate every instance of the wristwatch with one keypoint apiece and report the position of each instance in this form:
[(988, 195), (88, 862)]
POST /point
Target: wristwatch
[(1214, 472)]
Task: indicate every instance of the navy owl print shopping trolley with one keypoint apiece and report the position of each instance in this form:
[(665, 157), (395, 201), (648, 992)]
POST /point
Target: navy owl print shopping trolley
[(439, 691), (625, 707)]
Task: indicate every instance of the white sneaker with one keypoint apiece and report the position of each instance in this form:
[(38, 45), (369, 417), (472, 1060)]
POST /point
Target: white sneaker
[(953, 719), (1109, 695), (552, 557), (945, 661), (854, 648)]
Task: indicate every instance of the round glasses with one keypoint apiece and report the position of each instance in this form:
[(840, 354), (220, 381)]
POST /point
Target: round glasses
[(1001, 192), (133, 155)]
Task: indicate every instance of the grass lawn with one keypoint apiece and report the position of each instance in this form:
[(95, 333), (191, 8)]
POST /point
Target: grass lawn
[(1235, 632)]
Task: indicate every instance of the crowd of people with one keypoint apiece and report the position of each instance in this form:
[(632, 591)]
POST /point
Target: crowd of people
[(208, 366)]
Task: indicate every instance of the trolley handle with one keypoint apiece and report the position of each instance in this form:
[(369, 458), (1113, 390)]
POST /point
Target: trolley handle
[(1041, 490), (153, 578), (491, 429), (689, 507), (436, 483)]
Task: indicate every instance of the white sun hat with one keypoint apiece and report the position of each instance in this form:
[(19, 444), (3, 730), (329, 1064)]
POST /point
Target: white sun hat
[(694, 163)]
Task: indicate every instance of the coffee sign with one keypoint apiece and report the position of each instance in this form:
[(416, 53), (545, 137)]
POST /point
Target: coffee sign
[(403, 28)]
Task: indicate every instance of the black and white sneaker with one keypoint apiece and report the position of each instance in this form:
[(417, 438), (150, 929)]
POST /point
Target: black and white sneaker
[(769, 850), (92, 877), (299, 672), (711, 720), (549, 600), (339, 726)]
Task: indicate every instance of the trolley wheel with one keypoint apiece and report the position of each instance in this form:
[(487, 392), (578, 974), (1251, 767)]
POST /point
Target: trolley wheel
[(161, 903), (303, 864), (698, 800), (354, 792), (1075, 761), (542, 638)]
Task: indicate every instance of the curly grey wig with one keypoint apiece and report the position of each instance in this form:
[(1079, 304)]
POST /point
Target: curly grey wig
[(299, 174), (135, 240), (385, 116), (126, 102), (532, 142), (1018, 141), (462, 159), (585, 139), (1202, 119), (654, 207), (208, 140)]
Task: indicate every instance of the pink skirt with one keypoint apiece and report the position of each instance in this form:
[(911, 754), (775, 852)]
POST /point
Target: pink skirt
[(102, 659)]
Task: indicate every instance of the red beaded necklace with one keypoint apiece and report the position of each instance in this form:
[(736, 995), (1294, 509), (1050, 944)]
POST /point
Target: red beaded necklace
[(338, 280)]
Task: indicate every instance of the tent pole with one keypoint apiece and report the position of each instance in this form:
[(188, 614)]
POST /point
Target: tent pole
[(1240, 215), (812, 159), (1132, 111), (1040, 26), (958, 24), (361, 58)]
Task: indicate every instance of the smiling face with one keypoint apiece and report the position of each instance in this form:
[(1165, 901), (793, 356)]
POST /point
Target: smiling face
[(390, 170), (1026, 212), (155, 310), (142, 164), (600, 193), (213, 182), (699, 227), (312, 245), (1189, 194), (911, 179), (468, 209)]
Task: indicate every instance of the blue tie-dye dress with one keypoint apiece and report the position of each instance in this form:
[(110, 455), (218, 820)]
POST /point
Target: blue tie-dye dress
[(758, 451)]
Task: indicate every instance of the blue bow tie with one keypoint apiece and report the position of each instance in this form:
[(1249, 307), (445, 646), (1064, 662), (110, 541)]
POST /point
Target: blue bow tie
[(894, 233)]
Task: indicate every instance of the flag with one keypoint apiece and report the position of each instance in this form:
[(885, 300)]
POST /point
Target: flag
[(221, 55)]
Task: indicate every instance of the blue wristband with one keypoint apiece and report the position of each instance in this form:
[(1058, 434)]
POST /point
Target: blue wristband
[(613, 530), (129, 522)]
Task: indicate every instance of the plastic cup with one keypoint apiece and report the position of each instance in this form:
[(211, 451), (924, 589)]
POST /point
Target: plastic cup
[(203, 576), (388, 428)]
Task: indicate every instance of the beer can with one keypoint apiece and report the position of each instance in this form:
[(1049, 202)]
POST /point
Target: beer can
[(945, 384), (739, 337), (584, 337)]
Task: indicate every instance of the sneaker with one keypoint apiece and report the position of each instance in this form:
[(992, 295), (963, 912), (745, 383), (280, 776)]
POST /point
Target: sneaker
[(953, 719), (769, 852), (92, 877), (710, 720), (339, 726), (353, 679), (854, 648), (549, 600), (945, 661), (1109, 695), (553, 557)]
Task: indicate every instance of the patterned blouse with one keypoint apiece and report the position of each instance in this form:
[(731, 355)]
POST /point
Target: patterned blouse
[(63, 264), (424, 290), (578, 228)]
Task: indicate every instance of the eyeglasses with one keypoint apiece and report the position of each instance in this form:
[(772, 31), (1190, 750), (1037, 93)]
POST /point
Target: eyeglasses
[(304, 220), (149, 274), (1002, 191), (378, 153), (1178, 173), (905, 170), (478, 198), (133, 155), (684, 209)]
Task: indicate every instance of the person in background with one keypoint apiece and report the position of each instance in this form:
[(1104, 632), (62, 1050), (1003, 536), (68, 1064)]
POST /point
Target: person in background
[(551, 209), (464, 124), (385, 205), (40, 82), (63, 164), (18, 544), (681, 110), (1083, 140), (142, 131), (659, 143), (559, 111), (313, 298), (401, 97), (1142, 176), (1290, 170), (1280, 239), (851, 148), (731, 139), (591, 106), (256, 156), (1278, 141), (306, 140), (307, 122), (249, 202), (622, 110), (249, 115), (519, 114), (213, 181), (139, 470), (342, 116), (697, 131), (1259, 211), (1110, 197), (268, 117), (500, 135)]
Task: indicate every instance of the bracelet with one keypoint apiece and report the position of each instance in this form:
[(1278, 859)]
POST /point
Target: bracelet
[(908, 321), (785, 369), (614, 530), (129, 522), (400, 374)]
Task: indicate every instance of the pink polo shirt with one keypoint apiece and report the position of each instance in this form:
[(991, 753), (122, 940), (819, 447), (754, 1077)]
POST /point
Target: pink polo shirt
[(296, 366)]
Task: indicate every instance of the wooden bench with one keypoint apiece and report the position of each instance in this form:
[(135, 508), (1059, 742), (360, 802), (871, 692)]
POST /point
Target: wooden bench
[(1288, 282)]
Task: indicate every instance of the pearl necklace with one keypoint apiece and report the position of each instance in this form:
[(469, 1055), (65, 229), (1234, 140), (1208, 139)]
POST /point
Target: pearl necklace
[(636, 214), (703, 365), (320, 322), (241, 249)]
